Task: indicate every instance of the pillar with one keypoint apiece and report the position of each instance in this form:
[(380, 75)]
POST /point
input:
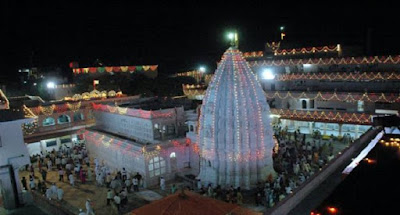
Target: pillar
[(356, 131), (310, 127), (340, 130), (325, 126)]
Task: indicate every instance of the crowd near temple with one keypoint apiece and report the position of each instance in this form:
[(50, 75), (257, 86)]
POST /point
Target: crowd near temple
[(254, 136)]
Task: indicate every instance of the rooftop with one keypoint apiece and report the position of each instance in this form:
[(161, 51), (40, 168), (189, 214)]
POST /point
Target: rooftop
[(11, 115)]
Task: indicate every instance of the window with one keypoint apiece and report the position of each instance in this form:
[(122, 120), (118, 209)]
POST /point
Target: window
[(172, 155), (156, 166), (66, 140), (312, 103), (63, 119), (48, 121), (304, 104), (51, 143), (191, 128), (156, 126)]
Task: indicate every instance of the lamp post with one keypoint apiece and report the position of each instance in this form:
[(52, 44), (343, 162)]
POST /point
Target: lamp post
[(234, 39), (202, 69), (51, 86)]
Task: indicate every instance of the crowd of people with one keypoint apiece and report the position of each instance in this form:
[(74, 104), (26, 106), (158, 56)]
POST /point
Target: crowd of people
[(296, 158), (73, 165)]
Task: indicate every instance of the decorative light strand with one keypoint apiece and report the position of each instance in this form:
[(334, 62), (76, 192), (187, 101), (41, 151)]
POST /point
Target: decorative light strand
[(324, 116), (329, 61), (338, 76)]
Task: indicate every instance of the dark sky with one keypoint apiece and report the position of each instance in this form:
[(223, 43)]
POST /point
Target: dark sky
[(180, 37)]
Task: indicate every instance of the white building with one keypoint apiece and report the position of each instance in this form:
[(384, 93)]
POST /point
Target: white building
[(13, 155), (150, 142)]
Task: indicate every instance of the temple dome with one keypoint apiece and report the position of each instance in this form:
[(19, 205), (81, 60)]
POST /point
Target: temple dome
[(235, 134)]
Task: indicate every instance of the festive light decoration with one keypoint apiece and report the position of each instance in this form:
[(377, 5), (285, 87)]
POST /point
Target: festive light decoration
[(110, 69), (95, 94), (330, 116), (29, 128), (193, 90), (235, 135), (49, 110), (391, 142), (277, 52), (198, 76), (74, 107), (338, 76), (329, 61), (342, 97), (4, 103), (253, 54), (28, 112), (134, 112), (196, 90), (309, 50)]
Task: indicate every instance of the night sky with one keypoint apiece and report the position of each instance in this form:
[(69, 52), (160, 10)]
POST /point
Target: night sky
[(180, 37)]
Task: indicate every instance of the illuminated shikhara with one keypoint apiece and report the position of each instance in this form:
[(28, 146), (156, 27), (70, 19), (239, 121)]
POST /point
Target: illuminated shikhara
[(235, 134)]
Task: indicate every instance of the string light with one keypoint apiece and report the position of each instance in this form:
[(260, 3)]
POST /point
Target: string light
[(337, 76), (330, 116), (134, 112), (343, 97), (329, 61)]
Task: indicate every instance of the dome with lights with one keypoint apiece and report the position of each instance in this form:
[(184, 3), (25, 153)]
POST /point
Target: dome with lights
[(235, 134)]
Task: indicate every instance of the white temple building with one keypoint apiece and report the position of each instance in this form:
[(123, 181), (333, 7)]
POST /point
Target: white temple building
[(235, 134)]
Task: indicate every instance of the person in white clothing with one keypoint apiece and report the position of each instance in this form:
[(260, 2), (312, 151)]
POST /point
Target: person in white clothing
[(117, 201), (60, 194), (48, 193), (53, 189), (71, 179), (49, 165), (135, 183), (89, 209), (162, 183)]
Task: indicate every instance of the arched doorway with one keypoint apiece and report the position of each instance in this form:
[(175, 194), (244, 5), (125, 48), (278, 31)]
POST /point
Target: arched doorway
[(172, 160)]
